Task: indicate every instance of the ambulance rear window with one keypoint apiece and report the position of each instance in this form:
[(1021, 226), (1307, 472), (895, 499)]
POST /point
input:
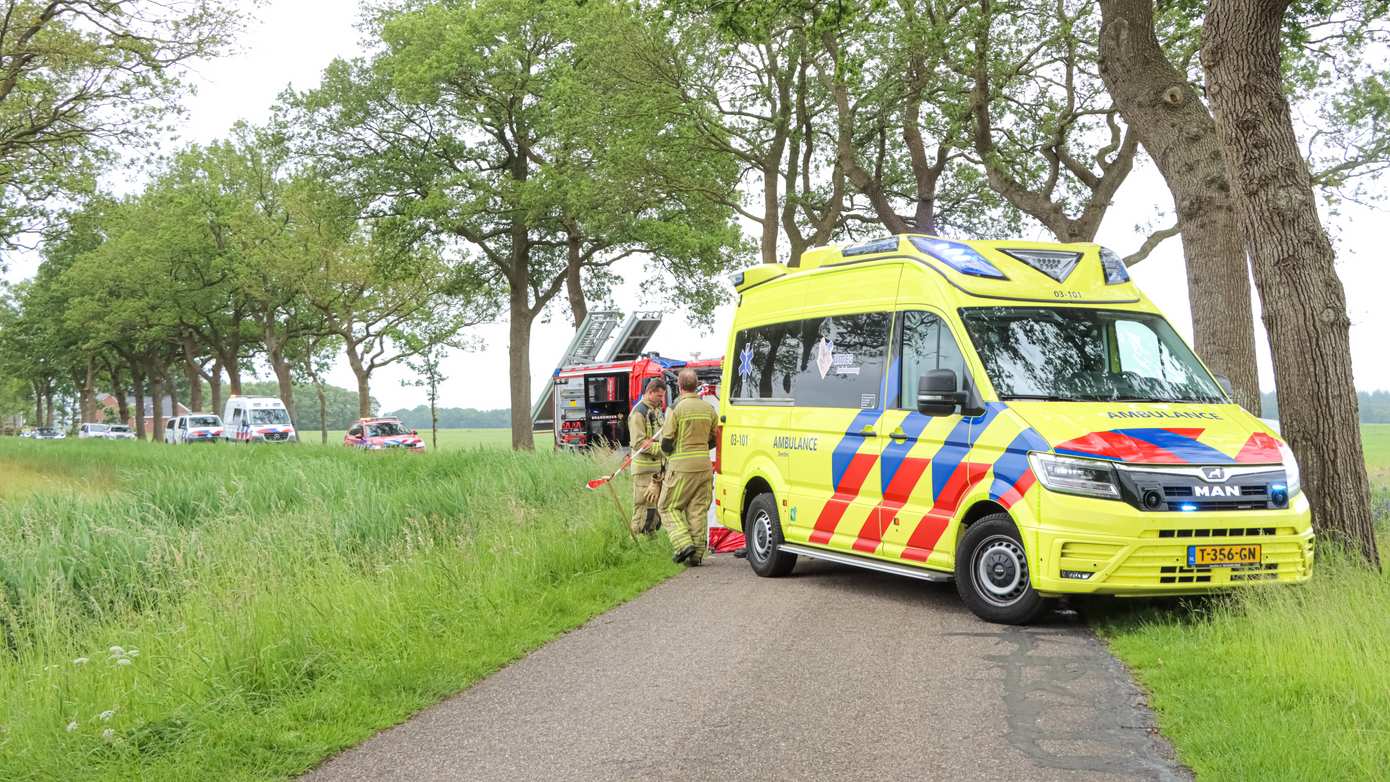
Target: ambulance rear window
[(765, 359), (834, 361)]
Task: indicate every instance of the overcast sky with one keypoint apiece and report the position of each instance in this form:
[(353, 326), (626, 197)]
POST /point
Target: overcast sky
[(292, 41)]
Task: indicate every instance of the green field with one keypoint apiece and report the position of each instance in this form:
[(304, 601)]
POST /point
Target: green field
[(236, 613), (1377, 440), (449, 439), (1279, 683)]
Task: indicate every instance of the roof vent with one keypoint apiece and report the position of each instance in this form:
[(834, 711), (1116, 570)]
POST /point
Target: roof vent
[(1057, 264)]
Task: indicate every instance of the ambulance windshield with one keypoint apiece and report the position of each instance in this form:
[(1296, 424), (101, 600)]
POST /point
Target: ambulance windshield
[(1085, 355)]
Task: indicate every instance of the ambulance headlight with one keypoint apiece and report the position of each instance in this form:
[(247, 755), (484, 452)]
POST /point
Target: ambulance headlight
[(1069, 475), (1292, 479)]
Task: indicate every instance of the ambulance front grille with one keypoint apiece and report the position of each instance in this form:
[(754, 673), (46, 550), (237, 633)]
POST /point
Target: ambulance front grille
[(1218, 532), (1166, 564)]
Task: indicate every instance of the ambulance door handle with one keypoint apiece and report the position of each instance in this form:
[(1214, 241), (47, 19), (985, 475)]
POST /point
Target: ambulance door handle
[(869, 431), (897, 434)]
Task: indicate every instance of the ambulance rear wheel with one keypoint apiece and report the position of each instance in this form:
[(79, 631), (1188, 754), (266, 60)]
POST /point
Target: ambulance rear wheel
[(762, 532), (992, 573)]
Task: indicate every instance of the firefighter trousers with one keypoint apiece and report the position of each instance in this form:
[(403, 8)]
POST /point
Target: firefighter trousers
[(641, 505), (685, 500)]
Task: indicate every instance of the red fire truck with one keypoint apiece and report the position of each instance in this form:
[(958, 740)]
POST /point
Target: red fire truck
[(592, 401), (601, 377)]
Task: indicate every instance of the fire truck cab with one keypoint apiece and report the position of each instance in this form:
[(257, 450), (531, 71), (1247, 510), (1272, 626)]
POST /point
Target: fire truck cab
[(600, 377), (592, 401)]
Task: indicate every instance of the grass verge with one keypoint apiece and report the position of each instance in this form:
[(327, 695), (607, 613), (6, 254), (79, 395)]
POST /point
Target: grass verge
[(240, 613), (1272, 684)]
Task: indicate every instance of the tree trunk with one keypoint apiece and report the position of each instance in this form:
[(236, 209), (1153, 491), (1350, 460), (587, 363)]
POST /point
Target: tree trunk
[(38, 403), (364, 378), (49, 417), (574, 282), (122, 397), (88, 399), (275, 354), (1176, 129), (229, 363), (1303, 302), (285, 380), (156, 374), (137, 382), (215, 387), (323, 410), (519, 369), (434, 414), (194, 376)]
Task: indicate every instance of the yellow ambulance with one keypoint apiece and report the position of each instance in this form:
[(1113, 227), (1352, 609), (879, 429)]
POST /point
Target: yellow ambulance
[(1014, 415)]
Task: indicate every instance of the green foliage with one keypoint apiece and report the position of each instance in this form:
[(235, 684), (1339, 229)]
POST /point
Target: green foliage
[(82, 83), (276, 605), (477, 120)]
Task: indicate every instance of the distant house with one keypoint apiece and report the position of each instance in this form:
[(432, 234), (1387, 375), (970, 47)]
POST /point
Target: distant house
[(109, 408)]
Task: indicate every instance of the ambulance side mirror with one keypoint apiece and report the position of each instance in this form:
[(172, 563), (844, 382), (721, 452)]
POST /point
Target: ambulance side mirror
[(938, 393)]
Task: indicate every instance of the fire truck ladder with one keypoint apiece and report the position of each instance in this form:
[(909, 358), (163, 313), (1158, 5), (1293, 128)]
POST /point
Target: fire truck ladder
[(633, 337), (588, 340)]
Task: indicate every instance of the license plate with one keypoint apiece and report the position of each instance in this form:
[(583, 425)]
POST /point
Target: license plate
[(1223, 556)]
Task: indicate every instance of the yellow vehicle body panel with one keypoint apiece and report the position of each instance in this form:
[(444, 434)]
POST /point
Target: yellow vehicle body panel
[(887, 482)]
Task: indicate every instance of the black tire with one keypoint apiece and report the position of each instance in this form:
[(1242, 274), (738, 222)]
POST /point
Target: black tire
[(762, 532), (992, 573)]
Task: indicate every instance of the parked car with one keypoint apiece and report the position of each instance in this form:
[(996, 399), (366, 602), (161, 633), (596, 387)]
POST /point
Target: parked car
[(171, 429), (375, 434), (27, 434), (197, 428), (120, 432), (93, 431), (258, 419), (47, 433)]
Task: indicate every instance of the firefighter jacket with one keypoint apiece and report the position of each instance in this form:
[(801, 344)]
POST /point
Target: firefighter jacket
[(643, 423), (690, 431)]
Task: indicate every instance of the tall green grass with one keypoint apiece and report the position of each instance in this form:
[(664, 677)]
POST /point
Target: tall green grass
[(242, 612), (1279, 683)]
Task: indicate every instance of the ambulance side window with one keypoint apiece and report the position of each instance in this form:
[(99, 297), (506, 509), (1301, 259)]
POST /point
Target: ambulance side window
[(841, 360), (926, 344), (765, 360)]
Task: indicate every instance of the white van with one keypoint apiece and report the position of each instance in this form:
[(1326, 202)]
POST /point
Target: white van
[(197, 428), (258, 419)]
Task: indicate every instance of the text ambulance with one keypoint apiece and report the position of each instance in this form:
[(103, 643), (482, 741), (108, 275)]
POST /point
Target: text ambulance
[(1013, 414)]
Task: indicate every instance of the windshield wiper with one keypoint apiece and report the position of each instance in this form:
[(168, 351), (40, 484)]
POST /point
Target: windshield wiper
[(1162, 400), (1045, 398)]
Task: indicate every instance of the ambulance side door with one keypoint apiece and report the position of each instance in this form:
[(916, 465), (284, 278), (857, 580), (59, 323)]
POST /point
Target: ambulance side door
[(757, 408), (834, 440), (926, 467)]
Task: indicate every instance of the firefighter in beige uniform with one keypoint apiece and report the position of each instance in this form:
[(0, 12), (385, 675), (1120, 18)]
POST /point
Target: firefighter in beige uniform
[(689, 433), (644, 424)]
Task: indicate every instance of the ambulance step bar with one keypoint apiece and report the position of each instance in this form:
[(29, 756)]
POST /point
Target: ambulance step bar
[(865, 562)]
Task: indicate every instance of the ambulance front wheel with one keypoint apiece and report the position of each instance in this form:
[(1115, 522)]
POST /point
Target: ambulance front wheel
[(762, 531), (992, 573)]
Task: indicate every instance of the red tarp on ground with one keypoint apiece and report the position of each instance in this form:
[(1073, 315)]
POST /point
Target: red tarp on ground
[(723, 540)]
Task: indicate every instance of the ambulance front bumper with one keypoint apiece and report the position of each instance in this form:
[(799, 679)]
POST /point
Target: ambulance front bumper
[(1106, 547)]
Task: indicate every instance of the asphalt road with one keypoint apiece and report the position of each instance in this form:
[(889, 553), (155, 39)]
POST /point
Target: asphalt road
[(831, 673)]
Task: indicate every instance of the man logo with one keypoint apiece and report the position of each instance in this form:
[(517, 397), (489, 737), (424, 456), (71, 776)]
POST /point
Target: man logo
[(1214, 474), (1216, 491)]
